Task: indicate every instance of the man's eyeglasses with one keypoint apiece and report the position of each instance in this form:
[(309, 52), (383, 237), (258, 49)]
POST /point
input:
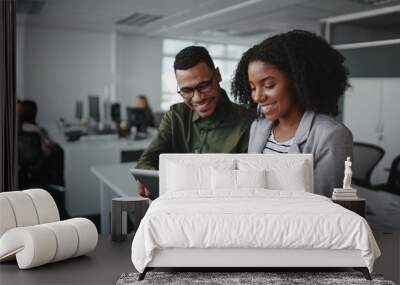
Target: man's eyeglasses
[(202, 87)]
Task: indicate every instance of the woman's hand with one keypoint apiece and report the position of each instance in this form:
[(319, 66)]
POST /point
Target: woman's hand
[(142, 191)]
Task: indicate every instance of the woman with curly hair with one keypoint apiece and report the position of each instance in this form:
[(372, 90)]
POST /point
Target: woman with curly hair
[(295, 80)]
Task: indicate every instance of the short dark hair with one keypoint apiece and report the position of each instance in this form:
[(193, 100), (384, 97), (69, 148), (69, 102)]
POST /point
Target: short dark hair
[(29, 111), (191, 56), (314, 68)]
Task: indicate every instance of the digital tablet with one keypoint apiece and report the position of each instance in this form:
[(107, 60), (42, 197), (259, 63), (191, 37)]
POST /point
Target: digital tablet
[(149, 178)]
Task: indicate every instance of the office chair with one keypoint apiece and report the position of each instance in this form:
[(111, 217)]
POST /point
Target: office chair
[(35, 170), (365, 158), (158, 116), (393, 183), (30, 159)]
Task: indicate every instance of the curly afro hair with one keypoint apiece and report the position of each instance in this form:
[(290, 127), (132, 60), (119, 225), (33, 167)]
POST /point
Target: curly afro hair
[(315, 70)]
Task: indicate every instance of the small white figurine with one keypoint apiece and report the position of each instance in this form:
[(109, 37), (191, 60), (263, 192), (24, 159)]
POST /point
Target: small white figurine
[(347, 174)]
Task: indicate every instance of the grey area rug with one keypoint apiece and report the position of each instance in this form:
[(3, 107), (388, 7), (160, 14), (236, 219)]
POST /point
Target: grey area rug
[(225, 278)]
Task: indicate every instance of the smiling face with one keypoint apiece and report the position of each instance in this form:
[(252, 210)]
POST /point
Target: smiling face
[(271, 90), (200, 77)]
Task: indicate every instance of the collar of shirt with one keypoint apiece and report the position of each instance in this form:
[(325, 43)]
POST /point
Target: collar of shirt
[(220, 113)]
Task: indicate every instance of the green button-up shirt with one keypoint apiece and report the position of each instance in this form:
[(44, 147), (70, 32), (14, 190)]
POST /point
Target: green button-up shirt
[(184, 131)]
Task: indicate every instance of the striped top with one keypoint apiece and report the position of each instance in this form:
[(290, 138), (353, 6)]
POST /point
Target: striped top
[(273, 146)]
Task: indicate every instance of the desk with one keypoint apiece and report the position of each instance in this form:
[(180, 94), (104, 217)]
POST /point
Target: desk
[(81, 187), (102, 266), (115, 181)]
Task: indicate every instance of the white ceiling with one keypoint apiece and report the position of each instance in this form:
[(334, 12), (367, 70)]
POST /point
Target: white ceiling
[(216, 20)]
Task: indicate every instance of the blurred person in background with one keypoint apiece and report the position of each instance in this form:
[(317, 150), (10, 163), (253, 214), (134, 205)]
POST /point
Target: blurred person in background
[(142, 103)]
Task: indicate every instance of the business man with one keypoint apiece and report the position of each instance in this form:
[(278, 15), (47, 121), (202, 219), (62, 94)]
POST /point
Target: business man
[(206, 122)]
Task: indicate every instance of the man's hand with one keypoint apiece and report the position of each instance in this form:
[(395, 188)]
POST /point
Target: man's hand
[(144, 192)]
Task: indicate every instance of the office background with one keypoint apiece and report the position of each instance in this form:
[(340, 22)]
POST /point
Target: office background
[(69, 50), (80, 49)]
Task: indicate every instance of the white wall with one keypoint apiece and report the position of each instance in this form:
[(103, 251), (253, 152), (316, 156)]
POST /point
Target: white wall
[(57, 67), (138, 64), (371, 113), (62, 66)]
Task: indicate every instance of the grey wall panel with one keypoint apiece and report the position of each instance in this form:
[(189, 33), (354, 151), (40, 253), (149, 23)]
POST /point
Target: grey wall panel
[(381, 61)]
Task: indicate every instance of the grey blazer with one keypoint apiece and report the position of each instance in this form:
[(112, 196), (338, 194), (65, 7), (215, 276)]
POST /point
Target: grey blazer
[(329, 141)]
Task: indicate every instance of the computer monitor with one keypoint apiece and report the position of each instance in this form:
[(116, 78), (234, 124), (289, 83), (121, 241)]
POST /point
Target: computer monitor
[(107, 110), (136, 117), (94, 107), (79, 110), (116, 112)]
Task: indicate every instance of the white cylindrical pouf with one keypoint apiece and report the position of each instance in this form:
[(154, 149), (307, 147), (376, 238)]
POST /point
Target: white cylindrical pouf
[(45, 205), (67, 239), (87, 234), (23, 208), (33, 246), (7, 218)]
